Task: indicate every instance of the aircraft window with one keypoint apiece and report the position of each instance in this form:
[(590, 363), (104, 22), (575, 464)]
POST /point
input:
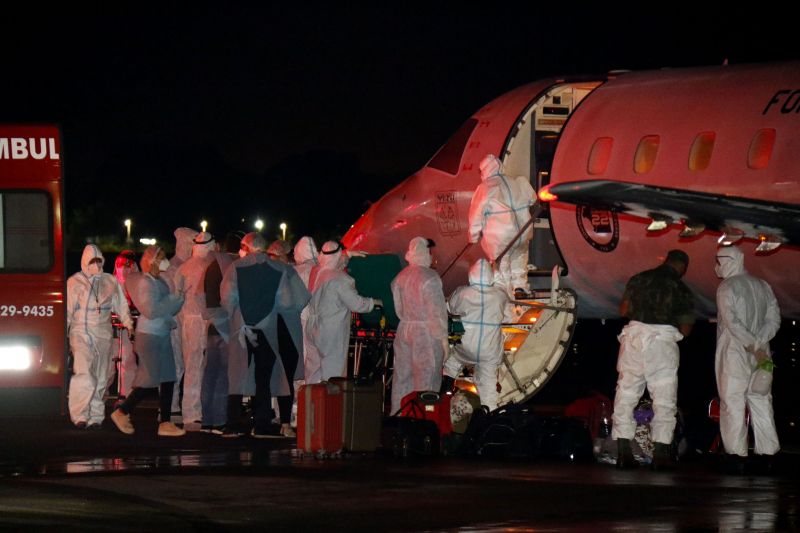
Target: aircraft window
[(26, 243), (646, 153), (600, 155), (702, 147), (448, 158), (761, 149)]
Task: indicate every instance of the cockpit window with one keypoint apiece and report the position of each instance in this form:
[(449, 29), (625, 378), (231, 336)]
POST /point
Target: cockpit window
[(448, 158)]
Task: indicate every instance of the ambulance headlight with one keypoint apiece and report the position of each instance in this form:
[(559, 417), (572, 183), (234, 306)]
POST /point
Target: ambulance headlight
[(16, 357)]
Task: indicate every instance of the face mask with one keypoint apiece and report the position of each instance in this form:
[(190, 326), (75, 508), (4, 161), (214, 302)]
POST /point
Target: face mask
[(242, 253), (163, 265), (94, 269)]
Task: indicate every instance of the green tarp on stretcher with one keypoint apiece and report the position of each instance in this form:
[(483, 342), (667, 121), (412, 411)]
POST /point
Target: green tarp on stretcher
[(374, 275)]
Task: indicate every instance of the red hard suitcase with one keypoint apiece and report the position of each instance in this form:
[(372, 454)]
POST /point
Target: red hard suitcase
[(319, 419)]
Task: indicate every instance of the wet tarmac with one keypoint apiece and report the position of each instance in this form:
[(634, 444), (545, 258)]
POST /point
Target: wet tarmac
[(52, 476)]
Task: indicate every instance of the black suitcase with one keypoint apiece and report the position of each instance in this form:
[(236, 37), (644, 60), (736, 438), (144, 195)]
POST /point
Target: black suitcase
[(362, 414), (411, 437), (565, 438), (511, 431), (514, 431)]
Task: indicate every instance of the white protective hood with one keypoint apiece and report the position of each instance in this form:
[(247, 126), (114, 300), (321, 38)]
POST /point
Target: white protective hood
[(480, 274), (90, 252), (490, 166), (730, 262), (418, 252), (306, 250)]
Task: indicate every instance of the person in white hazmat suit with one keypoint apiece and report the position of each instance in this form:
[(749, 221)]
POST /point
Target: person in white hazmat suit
[(481, 306), (500, 208), (306, 258), (748, 317), (421, 340), (193, 330), (661, 312), (184, 240), (333, 298), (92, 296), (214, 390), (157, 306), (264, 299), (124, 265)]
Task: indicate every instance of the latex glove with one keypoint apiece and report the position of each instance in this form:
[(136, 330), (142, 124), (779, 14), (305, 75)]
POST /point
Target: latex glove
[(377, 302), (356, 253)]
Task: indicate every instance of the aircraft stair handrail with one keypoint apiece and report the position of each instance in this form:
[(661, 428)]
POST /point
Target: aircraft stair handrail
[(456, 258), (536, 343), (537, 209)]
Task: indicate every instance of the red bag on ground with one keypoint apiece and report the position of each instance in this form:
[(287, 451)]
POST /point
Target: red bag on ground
[(429, 405)]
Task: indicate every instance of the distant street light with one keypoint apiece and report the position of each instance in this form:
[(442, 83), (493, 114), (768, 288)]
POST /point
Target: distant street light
[(283, 229), (147, 242), (259, 225), (203, 225), (128, 228)]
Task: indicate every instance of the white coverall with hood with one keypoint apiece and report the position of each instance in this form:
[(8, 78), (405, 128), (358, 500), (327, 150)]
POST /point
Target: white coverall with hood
[(419, 345), (194, 328), (92, 296), (649, 355), (748, 317), (481, 307), (184, 240), (500, 207), (306, 257), (333, 298), (127, 366)]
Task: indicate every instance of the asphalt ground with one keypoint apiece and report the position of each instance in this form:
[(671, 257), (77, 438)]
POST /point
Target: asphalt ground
[(53, 476)]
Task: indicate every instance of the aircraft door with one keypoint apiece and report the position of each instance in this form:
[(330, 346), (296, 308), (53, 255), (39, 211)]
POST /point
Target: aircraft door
[(543, 252)]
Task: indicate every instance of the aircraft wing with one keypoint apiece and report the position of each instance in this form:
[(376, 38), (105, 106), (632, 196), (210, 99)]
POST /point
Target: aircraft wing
[(755, 219)]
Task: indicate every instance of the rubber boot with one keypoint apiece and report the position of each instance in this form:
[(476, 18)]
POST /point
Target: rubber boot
[(625, 459), (663, 458), (760, 465)]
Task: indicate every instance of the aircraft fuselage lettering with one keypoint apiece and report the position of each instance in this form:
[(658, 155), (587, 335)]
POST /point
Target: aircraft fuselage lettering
[(447, 213), (791, 103)]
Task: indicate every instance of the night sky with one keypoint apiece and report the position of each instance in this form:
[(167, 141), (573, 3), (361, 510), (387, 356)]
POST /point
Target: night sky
[(306, 115)]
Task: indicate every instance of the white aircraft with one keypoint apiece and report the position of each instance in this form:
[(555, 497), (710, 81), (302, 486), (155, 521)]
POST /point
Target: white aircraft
[(627, 166)]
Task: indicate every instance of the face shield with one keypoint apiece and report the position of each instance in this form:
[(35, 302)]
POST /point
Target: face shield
[(95, 266)]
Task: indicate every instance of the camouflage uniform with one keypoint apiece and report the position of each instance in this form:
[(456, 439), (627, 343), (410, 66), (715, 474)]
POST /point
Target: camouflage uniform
[(658, 296)]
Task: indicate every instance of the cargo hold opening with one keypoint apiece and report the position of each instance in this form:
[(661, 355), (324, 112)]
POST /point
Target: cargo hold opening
[(529, 151)]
